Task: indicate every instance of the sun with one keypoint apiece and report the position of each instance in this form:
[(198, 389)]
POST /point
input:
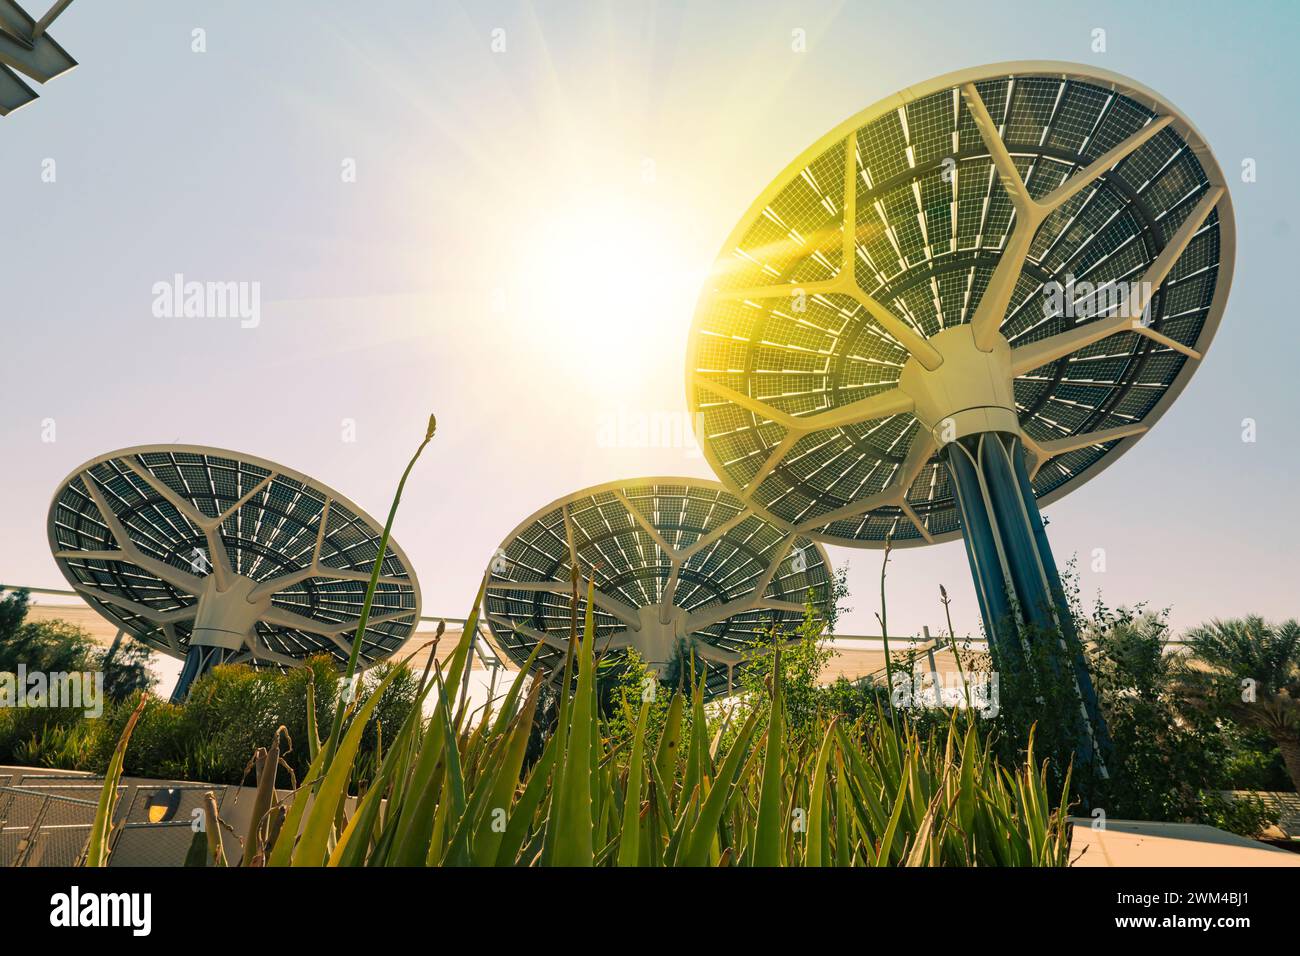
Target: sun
[(600, 282)]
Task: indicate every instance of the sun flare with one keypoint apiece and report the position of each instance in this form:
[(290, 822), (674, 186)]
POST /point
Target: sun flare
[(599, 277)]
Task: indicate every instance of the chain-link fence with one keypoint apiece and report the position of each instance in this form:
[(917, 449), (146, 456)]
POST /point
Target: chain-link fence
[(159, 825), (47, 822), (43, 828)]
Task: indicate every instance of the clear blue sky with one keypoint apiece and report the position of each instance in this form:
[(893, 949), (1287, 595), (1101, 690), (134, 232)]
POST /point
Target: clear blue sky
[(503, 199)]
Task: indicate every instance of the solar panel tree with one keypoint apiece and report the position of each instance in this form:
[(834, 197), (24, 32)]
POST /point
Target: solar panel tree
[(218, 557), (681, 569), (957, 307)]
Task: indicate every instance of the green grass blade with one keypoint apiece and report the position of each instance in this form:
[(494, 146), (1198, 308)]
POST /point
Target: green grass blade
[(817, 802), (312, 847), (696, 851), (629, 843), (574, 824), (96, 852), (670, 740), (770, 826)]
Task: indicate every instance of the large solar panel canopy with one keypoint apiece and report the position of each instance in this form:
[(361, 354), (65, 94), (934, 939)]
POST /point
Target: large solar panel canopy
[(676, 563), (1012, 269), (215, 556)]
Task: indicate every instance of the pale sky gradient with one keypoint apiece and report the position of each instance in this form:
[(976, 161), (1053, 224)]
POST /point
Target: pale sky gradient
[(523, 246)]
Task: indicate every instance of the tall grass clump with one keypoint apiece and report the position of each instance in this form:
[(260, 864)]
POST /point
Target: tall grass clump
[(650, 785)]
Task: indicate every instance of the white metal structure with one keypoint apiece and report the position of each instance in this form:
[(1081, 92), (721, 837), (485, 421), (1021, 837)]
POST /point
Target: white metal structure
[(896, 290), (676, 562), (216, 556), (25, 46)]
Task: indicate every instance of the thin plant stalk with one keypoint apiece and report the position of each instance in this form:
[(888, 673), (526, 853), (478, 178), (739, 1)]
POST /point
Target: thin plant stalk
[(952, 639), (336, 728), (883, 617)]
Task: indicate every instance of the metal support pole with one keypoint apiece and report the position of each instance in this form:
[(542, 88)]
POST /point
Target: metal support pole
[(1016, 580), (200, 659)]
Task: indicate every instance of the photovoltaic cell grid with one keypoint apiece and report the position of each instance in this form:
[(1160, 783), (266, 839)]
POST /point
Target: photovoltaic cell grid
[(609, 529), (931, 222), (271, 524)]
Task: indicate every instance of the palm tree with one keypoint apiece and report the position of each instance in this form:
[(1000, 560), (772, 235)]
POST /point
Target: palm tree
[(1249, 670)]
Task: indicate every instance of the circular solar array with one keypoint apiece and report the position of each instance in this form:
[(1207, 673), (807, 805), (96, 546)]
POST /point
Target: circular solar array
[(1069, 217), (673, 561), (164, 540)]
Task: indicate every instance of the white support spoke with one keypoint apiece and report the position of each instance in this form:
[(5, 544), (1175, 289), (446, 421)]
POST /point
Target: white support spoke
[(1169, 343), (283, 617), (143, 610), (1042, 452), (169, 633), (625, 613), (758, 407), (854, 509), (92, 555), (845, 284), (181, 504), (256, 489), (708, 539), (845, 281), (715, 613), (729, 658), (923, 446), (172, 575), (319, 546), (1033, 355), (277, 584), (992, 308), (670, 592), (560, 644), (911, 340), (646, 526), (217, 557), (1002, 161), (347, 626), (284, 581), (614, 641), (772, 604), (261, 652), (904, 334), (353, 574), (281, 582), (916, 521), (717, 655), (1159, 270), (273, 585), (891, 401), (987, 320), (712, 614), (1102, 164), (1030, 213), (773, 459), (569, 536), (754, 599), (778, 556), (784, 290)]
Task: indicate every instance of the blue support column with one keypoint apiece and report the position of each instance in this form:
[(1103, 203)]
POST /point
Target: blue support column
[(1016, 579), (200, 659)]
